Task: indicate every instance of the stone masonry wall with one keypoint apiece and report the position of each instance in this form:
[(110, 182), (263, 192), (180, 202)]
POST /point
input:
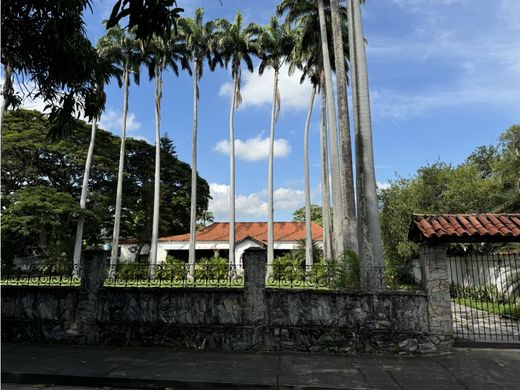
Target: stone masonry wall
[(252, 318)]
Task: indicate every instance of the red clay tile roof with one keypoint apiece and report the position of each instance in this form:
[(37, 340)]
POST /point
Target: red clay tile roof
[(283, 231), (465, 227)]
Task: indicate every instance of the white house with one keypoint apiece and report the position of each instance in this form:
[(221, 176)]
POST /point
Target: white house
[(214, 239)]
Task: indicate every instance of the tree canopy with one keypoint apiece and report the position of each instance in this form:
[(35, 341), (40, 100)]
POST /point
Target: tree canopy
[(41, 185)]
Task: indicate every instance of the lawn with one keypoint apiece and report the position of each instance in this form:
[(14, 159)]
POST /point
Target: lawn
[(508, 309)]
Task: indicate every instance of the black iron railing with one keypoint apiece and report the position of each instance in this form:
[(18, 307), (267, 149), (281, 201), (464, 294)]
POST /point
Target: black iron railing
[(43, 275), (338, 276), (174, 275)]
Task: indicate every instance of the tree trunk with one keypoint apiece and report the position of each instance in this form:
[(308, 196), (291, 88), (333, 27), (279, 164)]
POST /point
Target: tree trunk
[(370, 244), (232, 173), (346, 174), (270, 202), (325, 189), (119, 191), (193, 210), (337, 219), (6, 91), (83, 201), (157, 176), (308, 218)]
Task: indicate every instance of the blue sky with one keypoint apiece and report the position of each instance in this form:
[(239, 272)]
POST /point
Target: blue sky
[(444, 78)]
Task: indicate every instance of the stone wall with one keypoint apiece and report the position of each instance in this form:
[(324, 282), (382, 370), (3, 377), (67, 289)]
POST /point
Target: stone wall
[(252, 318)]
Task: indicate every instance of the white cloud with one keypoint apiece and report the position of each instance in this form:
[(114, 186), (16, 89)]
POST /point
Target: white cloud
[(383, 185), (253, 205), (112, 120), (255, 149), (257, 90)]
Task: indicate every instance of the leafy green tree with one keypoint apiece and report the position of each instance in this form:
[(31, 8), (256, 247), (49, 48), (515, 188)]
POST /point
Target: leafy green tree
[(31, 164), (316, 215), (48, 44)]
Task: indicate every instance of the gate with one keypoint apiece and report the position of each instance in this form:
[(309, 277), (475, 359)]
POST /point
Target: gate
[(485, 299)]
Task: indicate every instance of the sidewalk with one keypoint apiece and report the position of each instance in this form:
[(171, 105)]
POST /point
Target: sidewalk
[(159, 368)]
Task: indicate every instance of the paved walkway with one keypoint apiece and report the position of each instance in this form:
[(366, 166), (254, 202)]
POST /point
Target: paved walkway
[(477, 325), (133, 367)]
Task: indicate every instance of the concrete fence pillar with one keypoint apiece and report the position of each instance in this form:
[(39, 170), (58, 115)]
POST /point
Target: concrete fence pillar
[(255, 260), (93, 272), (436, 284)]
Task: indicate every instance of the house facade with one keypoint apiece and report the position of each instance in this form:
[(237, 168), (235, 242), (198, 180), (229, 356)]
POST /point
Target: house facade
[(214, 240)]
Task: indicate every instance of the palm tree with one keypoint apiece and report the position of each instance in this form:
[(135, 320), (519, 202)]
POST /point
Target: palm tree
[(122, 49), (235, 45), (307, 13), (274, 45), (369, 227), (199, 37), (159, 55), (328, 245), (339, 18), (337, 221), (93, 107), (307, 58)]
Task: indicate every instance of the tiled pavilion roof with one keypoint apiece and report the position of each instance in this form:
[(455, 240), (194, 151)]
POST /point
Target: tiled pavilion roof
[(219, 231), (465, 228)]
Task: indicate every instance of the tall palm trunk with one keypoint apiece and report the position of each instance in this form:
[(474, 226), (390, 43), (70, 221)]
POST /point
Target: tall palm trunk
[(270, 202), (328, 251), (232, 172), (83, 200), (369, 228), (6, 90), (157, 176), (193, 210), (337, 220), (119, 191), (308, 218), (347, 177)]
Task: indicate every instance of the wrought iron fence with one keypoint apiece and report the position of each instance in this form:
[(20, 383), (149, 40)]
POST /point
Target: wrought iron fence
[(177, 274), (485, 292), (42, 275), (338, 276)]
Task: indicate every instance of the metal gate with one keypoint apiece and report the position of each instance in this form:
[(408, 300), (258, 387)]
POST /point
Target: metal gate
[(485, 294)]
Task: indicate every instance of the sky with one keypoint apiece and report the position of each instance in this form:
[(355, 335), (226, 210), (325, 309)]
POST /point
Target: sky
[(444, 79)]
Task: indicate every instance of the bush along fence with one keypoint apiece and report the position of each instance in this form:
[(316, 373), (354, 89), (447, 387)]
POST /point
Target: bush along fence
[(321, 312)]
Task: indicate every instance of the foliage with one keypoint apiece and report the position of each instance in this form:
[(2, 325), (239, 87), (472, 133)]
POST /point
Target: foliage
[(288, 267), (41, 186), (216, 268), (487, 181), (132, 271), (316, 215), (172, 269), (146, 17), (317, 253), (48, 46)]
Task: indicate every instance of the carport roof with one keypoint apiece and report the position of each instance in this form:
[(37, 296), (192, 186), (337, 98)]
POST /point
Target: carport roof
[(465, 228)]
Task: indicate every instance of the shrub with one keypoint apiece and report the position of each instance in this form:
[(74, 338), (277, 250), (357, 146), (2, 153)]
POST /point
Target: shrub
[(173, 269), (288, 267), (214, 268), (132, 271)]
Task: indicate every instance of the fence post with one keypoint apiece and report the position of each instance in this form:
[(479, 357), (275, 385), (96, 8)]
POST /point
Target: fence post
[(436, 284), (93, 264), (255, 261)]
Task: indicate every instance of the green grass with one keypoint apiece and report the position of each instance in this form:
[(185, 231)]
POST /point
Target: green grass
[(509, 309)]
